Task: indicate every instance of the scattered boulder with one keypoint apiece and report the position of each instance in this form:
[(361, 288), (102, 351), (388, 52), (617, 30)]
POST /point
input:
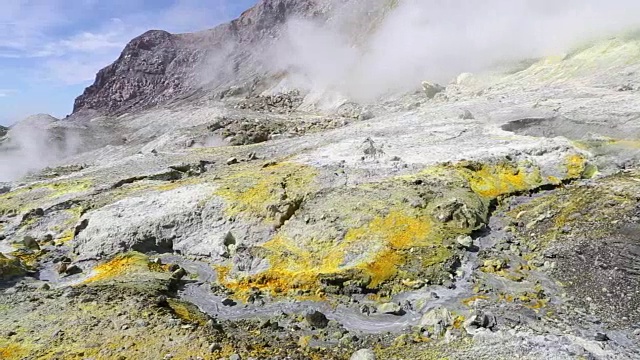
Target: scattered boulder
[(215, 347), (32, 214), (229, 302), (178, 274), (72, 270), (478, 321), (316, 319), (465, 241), (10, 267), (30, 243), (62, 268), (462, 214), (390, 308), (352, 110), (278, 103), (466, 115), (232, 161), (438, 319), (431, 89), (363, 354)]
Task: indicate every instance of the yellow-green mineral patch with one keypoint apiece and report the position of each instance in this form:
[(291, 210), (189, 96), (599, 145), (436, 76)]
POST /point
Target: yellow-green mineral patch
[(123, 266), (391, 233), (32, 196), (253, 190)]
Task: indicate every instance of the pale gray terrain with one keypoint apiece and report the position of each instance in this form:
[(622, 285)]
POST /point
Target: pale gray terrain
[(238, 215)]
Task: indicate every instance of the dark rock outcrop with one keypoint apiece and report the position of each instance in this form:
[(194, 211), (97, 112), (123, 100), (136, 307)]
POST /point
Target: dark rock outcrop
[(158, 66)]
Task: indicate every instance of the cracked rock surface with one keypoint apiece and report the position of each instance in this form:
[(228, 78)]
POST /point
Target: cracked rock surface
[(497, 218)]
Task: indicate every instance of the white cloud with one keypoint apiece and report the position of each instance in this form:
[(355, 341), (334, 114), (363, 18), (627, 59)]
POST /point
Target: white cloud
[(73, 44), (7, 92)]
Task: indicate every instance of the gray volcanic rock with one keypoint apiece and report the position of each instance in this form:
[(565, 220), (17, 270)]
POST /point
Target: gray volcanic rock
[(3, 131), (150, 67), (158, 66)]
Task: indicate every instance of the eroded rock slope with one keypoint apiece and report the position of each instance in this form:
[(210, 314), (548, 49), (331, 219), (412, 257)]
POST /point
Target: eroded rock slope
[(496, 217)]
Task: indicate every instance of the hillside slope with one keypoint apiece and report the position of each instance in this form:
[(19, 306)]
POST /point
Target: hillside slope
[(491, 218)]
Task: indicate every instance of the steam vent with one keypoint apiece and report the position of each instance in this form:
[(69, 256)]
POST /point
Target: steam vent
[(335, 179)]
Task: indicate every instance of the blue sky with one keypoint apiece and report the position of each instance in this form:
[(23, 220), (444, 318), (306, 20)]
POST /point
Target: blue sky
[(50, 50)]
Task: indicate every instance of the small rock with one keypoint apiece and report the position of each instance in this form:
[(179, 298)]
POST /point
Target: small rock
[(45, 287), (61, 268), (215, 347), (173, 322), (234, 357), (479, 320), (72, 270), (229, 302), (431, 89), (174, 267), (141, 323), (365, 309), (178, 274), (162, 301), (437, 316), (465, 241), (390, 308), (466, 115), (232, 161), (348, 340), (30, 243), (363, 354), (316, 319), (601, 337)]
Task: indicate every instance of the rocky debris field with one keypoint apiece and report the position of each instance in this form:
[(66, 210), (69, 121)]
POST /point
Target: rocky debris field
[(495, 217)]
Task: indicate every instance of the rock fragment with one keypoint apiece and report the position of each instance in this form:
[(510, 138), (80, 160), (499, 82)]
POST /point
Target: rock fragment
[(438, 319), (466, 115), (390, 308), (465, 241), (228, 302), (431, 89), (363, 354), (316, 319), (30, 243), (478, 321)]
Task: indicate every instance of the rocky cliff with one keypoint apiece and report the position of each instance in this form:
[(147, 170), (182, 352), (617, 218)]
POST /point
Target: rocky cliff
[(158, 66)]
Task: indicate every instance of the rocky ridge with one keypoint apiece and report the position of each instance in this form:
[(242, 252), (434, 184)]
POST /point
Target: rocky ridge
[(157, 66)]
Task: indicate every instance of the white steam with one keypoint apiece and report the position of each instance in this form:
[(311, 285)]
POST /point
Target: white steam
[(31, 145), (437, 39)]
